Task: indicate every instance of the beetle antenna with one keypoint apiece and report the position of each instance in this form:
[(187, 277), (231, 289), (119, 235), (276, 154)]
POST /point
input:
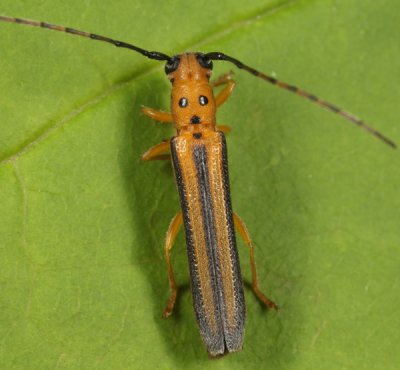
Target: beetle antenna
[(149, 54), (294, 89)]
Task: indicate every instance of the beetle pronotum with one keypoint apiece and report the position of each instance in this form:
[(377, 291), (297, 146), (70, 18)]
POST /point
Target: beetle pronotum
[(199, 158)]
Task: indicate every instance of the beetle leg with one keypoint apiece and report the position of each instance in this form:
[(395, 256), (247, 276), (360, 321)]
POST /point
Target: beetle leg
[(157, 152), (157, 115), (224, 128), (173, 230), (221, 80), (226, 92), (242, 229)]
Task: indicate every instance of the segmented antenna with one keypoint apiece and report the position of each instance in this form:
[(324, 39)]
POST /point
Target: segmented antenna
[(149, 54), (211, 56), (294, 89)]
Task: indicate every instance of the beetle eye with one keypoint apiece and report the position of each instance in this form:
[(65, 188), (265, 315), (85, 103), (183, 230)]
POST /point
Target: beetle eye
[(203, 100), (183, 102), (172, 64), (204, 61)]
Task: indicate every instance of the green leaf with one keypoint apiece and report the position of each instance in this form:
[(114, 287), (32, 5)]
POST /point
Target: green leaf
[(83, 277)]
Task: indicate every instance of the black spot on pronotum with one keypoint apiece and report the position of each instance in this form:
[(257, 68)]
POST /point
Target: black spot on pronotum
[(183, 102), (197, 135), (195, 119), (203, 100)]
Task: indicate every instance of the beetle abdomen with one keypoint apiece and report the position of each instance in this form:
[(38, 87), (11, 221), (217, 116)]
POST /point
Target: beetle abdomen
[(202, 177)]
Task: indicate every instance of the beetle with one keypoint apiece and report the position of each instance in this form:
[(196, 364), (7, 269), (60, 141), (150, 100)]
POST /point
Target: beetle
[(199, 157)]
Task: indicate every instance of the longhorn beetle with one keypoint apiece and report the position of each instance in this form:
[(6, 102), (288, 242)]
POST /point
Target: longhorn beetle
[(199, 157)]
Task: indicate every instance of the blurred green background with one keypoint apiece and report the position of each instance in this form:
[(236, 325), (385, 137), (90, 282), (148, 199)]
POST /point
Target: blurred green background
[(83, 279)]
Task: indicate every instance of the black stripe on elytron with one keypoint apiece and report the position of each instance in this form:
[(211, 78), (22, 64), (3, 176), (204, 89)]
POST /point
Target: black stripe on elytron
[(233, 339), (210, 234), (195, 282)]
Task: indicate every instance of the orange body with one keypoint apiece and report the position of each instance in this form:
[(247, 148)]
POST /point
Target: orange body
[(199, 157), (200, 164)]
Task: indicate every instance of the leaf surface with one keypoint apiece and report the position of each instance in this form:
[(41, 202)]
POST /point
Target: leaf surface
[(83, 277)]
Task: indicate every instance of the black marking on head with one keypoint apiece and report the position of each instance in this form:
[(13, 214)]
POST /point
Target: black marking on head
[(172, 64), (197, 135), (183, 102), (204, 61), (195, 120), (203, 100)]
